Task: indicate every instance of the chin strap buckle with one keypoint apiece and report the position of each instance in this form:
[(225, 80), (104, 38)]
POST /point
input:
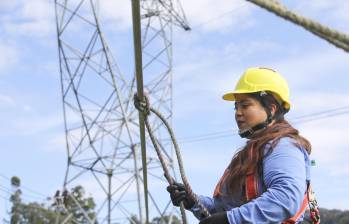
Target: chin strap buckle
[(245, 133)]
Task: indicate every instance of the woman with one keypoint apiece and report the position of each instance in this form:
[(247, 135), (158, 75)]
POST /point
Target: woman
[(267, 180)]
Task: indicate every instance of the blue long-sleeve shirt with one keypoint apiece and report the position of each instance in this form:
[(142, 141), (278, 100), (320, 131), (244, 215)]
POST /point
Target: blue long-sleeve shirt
[(285, 171)]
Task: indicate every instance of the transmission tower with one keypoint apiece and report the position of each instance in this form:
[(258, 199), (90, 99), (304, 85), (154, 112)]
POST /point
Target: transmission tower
[(101, 123)]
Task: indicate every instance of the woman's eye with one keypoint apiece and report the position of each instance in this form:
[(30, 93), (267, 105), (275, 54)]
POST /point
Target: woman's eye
[(244, 106)]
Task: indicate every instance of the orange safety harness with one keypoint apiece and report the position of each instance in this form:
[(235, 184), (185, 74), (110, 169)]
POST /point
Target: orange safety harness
[(252, 192), (251, 189)]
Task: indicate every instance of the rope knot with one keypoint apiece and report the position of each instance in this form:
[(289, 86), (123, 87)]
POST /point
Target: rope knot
[(142, 105)]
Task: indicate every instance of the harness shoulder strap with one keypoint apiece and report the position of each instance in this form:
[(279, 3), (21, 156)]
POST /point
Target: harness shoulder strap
[(251, 182), (252, 192)]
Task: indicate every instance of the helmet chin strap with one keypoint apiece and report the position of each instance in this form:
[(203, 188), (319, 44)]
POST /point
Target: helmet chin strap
[(250, 131), (246, 133)]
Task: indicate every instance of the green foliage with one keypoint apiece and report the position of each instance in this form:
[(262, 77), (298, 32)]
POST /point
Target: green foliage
[(158, 220), (36, 213), (16, 210), (330, 216), (166, 219), (134, 220), (15, 181), (87, 204)]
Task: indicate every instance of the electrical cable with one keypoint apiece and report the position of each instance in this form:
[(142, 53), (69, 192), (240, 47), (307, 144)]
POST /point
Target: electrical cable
[(219, 16), (296, 120), (24, 187)]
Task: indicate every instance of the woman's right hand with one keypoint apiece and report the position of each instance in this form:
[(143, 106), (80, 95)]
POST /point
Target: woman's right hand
[(178, 194)]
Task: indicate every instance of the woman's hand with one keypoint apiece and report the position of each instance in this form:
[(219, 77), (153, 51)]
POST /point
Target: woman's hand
[(217, 218), (178, 194)]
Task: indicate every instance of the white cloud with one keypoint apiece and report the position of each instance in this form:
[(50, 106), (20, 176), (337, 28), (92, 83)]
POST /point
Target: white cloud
[(27, 108), (56, 142), (307, 68), (7, 5), (10, 102), (219, 15), (328, 137), (8, 57), (335, 11), (116, 13), (6, 100), (245, 49), (29, 18), (31, 125), (316, 101), (207, 15)]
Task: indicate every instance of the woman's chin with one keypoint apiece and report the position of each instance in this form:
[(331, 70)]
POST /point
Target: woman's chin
[(243, 128)]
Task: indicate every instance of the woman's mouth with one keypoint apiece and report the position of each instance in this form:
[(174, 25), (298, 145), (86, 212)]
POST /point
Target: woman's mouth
[(240, 124)]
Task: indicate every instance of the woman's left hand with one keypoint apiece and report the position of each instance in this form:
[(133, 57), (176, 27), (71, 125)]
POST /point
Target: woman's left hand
[(217, 218)]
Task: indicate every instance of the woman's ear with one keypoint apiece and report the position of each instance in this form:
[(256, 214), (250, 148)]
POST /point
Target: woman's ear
[(273, 109)]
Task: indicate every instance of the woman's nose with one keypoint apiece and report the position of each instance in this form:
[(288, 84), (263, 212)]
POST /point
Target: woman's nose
[(238, 111)]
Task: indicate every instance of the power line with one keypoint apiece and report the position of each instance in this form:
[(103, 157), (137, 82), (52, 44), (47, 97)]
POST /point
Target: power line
[(218, 16), (322, 117), (209, 138), (322, 112), (24, 196), (26, 188), (297, 120), (208, 134), (4, 197), (4, 189)]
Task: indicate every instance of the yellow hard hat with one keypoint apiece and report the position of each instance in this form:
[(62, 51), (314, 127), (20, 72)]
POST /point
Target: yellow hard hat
[(262, 79)]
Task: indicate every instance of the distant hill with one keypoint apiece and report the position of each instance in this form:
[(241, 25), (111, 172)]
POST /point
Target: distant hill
[(331, 216)]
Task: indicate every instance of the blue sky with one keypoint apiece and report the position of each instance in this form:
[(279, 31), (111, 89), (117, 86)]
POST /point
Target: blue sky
[(227, 37)]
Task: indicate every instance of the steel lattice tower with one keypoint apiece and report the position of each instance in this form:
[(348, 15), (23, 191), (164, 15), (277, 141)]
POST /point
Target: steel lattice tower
[(101, 123)]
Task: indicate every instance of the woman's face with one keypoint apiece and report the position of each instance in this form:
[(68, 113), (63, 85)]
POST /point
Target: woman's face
[(248, 111)]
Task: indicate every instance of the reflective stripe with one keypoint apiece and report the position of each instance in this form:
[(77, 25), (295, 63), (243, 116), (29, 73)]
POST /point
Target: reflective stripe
[(299, 213), (251, 187), (251, 183)]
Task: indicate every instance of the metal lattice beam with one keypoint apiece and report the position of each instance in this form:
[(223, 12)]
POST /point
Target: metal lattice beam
[(101, 123)]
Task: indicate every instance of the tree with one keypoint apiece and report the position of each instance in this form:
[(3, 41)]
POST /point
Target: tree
[(80, 205), (134, 220), (330, 216), (15, 198), (158, 220), (39, 213), (166, 220)]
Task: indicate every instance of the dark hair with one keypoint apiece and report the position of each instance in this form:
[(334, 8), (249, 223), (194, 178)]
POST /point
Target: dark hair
[(267, 99)]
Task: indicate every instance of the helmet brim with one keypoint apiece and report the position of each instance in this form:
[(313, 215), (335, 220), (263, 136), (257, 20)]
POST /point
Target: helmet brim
[(229, 97)]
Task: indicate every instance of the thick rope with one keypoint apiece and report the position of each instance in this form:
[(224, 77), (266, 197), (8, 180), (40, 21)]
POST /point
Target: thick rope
[(332, 36), (164, 165), (145, 108)]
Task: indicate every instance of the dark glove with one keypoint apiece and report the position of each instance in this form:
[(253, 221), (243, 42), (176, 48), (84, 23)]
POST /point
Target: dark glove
[(178, 194), (217, 218)]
